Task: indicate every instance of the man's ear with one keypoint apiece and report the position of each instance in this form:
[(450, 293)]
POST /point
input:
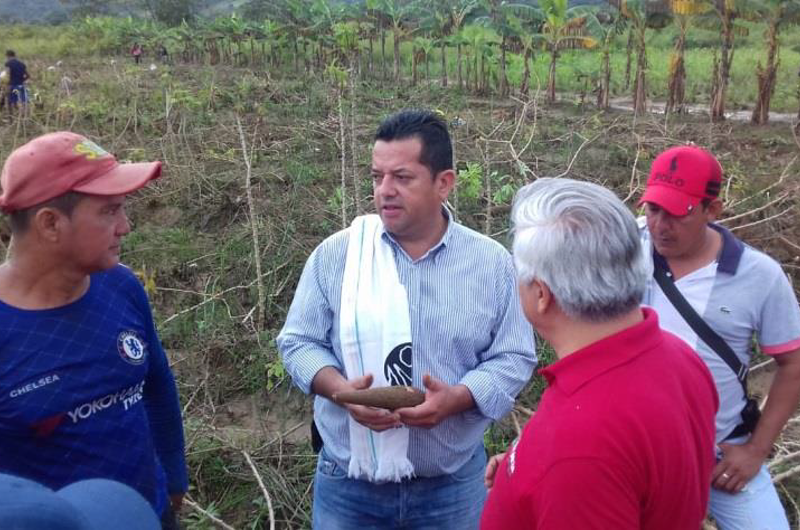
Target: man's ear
[(544, 298), (714, 210), (445, 181), (48, 223)]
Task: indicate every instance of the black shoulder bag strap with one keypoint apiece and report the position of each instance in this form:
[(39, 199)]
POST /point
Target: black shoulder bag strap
[(663, 276), (715, 342)]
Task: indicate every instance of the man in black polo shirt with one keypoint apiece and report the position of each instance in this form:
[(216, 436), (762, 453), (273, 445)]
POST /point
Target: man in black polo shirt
[(18, 74)]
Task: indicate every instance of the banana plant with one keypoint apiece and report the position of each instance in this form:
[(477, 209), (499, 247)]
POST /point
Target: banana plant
[(480, 40), (608, 31), (504, 17), (636, 14), (445, 19), (381, 22), (564, 26), (346, 36), (725, 13), (777, 14), (398, 14), (421, 50), (460, 10), (684, 12)]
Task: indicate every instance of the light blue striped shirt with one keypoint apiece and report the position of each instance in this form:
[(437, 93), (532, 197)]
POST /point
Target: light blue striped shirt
[(467, 327)]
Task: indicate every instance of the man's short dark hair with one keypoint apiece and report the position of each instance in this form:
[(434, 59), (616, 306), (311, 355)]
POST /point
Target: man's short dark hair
[(429, 127), (20, 221), (10, 53)]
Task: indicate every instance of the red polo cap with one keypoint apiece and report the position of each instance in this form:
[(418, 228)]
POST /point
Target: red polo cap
[(53, 164), (681, 177)]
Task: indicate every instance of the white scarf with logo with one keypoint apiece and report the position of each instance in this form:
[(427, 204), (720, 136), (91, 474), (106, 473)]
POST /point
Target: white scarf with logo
[(374, 321)]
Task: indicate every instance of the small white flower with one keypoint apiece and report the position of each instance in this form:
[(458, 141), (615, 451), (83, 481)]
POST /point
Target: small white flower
[(153, 67)]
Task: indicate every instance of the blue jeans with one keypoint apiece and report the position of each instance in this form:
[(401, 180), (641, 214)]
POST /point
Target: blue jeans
[(446, 502), (17, 93), (756, 507)]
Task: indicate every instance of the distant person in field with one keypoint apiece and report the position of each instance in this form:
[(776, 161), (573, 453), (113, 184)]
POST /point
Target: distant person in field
[(163, 54), (136, 52), (623, 437), (85, 387), (738, 294), (407, 297), (17, 75)]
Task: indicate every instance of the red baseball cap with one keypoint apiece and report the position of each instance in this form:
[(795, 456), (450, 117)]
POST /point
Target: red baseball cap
[(56, 163), (681, 177)]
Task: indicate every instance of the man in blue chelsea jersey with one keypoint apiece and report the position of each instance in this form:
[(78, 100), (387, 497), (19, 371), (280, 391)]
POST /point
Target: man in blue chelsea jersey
[(85, 387)]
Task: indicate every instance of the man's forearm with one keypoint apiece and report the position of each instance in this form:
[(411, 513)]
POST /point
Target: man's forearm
[(462, 399), (327, 382), (782, 402)]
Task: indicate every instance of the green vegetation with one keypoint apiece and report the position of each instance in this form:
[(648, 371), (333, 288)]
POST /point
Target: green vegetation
[(293, 100), (486, 46)]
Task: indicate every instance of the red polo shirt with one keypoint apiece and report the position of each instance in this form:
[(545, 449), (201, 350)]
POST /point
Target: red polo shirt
[(623, 438)]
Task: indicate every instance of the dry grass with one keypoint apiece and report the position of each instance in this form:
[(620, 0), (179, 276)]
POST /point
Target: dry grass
[(251, 464)]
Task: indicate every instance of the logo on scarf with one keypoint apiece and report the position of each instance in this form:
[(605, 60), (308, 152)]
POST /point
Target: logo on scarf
[(397, 367)]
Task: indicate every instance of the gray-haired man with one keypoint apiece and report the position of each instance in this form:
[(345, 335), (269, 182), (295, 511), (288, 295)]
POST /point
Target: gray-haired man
[(623, 437)]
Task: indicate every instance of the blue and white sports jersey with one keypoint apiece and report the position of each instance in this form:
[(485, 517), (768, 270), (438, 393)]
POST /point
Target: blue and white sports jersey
[(86, 392)]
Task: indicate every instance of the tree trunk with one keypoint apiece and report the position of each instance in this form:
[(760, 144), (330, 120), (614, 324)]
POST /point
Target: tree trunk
[(444, 63), (677, 75), (413, 66), (766, 76), (726, 55), (484, 77), (305, 57), (476, 74), (551, 78), (468, 73), (396, 42), (503, 80), (458, 60), (296, 56), (639, 85), (628, 54), (606, 86), (370, 63), (526, 75), (427, 67), (798, 108), (383, 54)]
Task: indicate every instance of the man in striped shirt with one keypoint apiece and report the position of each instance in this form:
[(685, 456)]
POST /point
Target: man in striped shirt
[(472, 349)]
